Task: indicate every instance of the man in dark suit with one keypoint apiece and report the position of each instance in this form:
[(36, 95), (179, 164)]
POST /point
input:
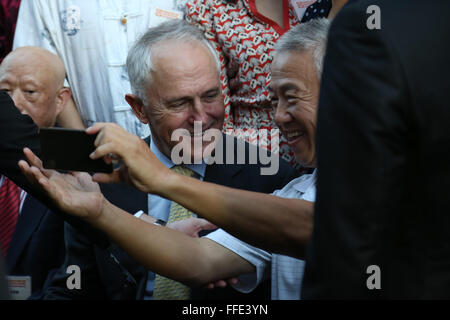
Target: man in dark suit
[(174, 98), (382, 212), (33, 77)]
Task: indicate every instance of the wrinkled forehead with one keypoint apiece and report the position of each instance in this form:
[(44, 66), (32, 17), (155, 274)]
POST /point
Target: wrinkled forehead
[(292, 67), (181, 52), (34, 63), (32, 72), (176, 63)]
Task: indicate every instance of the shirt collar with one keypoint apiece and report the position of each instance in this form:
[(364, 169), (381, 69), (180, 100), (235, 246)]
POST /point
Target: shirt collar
[(306, 183), (200, 169)]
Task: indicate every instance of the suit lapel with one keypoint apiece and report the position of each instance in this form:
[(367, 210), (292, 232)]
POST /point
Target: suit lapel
[(30, 217)]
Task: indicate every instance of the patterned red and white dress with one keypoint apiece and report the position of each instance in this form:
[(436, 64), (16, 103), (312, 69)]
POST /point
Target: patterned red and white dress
[(244, 40)]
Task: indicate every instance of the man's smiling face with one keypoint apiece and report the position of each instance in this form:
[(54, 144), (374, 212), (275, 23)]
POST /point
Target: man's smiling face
[(295, 86)]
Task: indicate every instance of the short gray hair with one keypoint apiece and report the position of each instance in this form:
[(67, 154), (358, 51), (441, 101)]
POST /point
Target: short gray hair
[(139, 60), (311, 35)]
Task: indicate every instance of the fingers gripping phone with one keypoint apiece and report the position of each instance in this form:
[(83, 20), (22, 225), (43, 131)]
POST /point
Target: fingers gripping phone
[(69, 150)]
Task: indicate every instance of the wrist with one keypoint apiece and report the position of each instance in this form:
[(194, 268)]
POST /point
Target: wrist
[(149, 219), (170, 180), (98, 215)]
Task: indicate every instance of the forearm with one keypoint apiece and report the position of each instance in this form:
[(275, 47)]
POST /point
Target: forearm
[(192, 261), (266, 221)]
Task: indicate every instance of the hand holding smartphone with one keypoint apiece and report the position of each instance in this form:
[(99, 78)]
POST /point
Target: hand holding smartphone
[(69, 149)]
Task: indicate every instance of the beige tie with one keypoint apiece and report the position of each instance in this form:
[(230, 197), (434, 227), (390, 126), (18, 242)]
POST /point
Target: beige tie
[(167, 289)]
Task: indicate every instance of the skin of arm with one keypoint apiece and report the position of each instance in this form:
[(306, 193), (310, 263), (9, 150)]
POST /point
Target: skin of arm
[(278, 225), (269, 222), (171, 253), (192, 261), (190, 226), (250, 216), (272, 223)]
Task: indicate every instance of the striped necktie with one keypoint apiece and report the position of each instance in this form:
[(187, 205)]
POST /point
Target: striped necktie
[(167, 289), (9, 212)]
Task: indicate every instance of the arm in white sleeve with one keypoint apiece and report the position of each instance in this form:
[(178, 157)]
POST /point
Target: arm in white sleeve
[(261, 259)]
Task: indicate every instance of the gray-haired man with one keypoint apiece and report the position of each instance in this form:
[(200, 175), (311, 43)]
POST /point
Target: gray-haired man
[(282, 224), (295, 83), (174, 75)]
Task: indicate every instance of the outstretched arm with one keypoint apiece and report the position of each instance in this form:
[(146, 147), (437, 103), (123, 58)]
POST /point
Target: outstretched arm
[(192, 261), (272, 223), (173, 254)]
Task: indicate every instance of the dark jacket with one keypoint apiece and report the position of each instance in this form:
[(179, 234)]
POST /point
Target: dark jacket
[(37, 245), (383, 141)]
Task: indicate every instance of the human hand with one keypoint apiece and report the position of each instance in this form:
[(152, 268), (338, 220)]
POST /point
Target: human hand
[(140, 166), (74, 193), (222, 283), (192, 226)]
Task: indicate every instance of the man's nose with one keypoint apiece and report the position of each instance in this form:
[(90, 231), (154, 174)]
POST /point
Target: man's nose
[(281, 114), (199, 112)]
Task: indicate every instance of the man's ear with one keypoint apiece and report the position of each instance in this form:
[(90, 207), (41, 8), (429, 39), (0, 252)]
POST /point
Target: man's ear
[(137, 106), (62, 98)]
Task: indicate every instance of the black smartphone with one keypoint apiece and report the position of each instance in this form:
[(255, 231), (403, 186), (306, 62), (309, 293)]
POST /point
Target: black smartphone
[(69, 150)]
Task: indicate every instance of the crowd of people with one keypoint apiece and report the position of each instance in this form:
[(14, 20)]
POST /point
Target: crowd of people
[(352, 118)]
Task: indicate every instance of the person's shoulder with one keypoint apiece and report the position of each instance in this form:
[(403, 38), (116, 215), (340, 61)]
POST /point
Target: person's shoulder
[(305, 183)]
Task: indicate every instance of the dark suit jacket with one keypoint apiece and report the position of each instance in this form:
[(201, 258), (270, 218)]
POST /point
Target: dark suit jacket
[(106, 272), (37, 245), (112, 274), (383, 146)]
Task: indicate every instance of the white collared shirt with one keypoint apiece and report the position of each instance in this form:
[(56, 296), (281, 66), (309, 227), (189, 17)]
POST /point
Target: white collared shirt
[(287, 272)]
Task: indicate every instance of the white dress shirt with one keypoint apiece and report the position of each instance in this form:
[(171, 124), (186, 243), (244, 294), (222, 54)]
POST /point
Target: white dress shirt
[(287, 272)]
